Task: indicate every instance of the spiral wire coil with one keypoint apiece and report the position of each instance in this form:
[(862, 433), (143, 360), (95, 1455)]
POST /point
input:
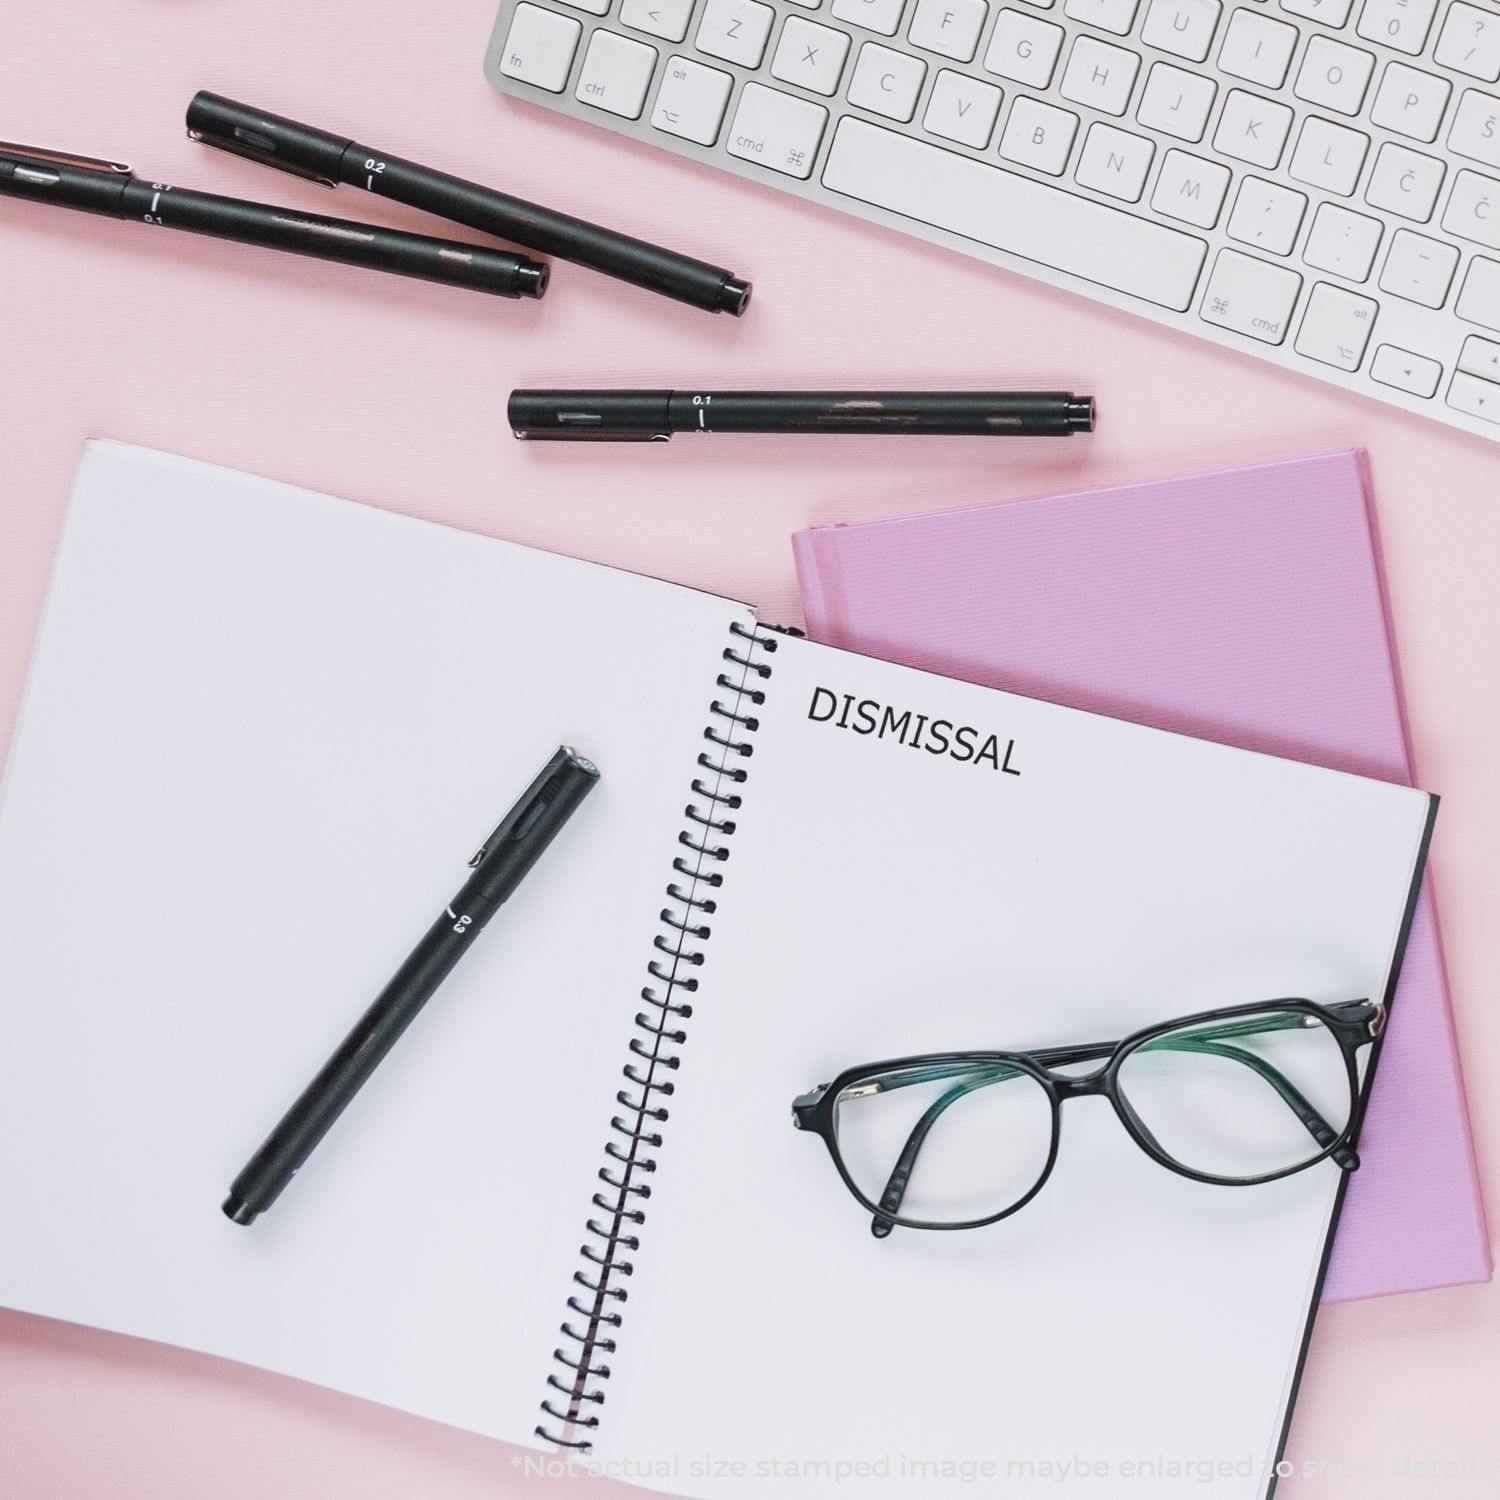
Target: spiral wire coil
[(575, 1389)]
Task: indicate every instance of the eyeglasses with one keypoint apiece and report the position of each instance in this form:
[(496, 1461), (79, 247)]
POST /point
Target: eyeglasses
[(957, 1140)]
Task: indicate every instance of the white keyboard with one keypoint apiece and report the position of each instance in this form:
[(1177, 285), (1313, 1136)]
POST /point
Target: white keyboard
[(1313, 181)]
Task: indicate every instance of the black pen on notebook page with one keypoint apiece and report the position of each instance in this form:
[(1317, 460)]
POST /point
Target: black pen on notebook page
[(305, 151), (110, 188), (644, 416), (501, 864)]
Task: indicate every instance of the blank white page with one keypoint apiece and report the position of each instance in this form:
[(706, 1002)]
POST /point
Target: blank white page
[(263, 733), (880, 901)]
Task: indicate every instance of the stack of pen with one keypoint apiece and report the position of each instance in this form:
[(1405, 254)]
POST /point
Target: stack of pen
[(110, 188)]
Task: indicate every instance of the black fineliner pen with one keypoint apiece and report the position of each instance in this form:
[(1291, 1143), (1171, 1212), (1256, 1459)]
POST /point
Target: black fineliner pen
[(641, 416), (499, 867), (324, 157), (110, 188)]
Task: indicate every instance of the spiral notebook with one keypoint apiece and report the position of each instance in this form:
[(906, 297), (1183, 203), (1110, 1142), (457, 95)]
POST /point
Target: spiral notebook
[(263, 730)]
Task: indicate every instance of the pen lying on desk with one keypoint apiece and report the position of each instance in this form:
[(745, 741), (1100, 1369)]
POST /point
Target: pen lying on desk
[(640, 416), (331, 159), (110, 188)]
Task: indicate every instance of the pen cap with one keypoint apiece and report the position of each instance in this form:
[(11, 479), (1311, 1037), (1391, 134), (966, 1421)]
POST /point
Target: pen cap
[(603, 416), (79, 182), (530, 826), (267, 138)]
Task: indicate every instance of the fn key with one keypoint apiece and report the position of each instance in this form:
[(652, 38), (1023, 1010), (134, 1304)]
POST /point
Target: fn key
[(539, 47)]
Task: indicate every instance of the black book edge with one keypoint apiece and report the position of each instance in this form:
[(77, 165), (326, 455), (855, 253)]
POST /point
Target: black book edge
[(1398, 959)]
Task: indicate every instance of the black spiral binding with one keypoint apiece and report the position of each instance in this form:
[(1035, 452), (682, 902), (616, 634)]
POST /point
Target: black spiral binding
[(678, 951)]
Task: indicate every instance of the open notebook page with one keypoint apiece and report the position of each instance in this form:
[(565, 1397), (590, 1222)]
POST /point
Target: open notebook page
[(262, 736), (879, 901)]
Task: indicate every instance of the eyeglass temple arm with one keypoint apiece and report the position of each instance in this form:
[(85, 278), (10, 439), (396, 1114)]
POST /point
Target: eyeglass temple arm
[(1206, 1040), (1298, 1102), (895, 1187)]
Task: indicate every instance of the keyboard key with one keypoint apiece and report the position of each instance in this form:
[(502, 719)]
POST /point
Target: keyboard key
[(593, 7), (1343, 242), (616, 73), (1257, 49), (962, 109), (1328, 156), (1329, 12), (1099, 75), (1185, 28), (1038, 135), (1480, 357), (1190, 189), (690, 102), (1475, 397), (1402, 24), (1418, 269), (1023, 48), (667, 19), (1470, 42), (1266, 216), (1475, 131), (887, 83), (1473, 211), (1250, 297), (1411, 102), (1479, 301), (1117, 16), (1334, 75), (951, 27), (1336, 327), (811, 56), (1115, 162), (1176, 102), (1405, 182), (1400, 368), (735, 30), (883, 16), (1013, 213), (1252, 129), (539, 47), (777, 130)]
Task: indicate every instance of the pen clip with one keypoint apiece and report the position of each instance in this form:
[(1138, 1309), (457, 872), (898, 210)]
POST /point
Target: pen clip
[(265, 154), (40, 157)]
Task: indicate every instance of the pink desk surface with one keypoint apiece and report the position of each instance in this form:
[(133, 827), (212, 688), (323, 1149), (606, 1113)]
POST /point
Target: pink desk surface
[(393, 393)]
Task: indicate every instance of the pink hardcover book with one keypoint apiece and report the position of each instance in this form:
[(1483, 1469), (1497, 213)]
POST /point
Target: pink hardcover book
[(1246, 606)]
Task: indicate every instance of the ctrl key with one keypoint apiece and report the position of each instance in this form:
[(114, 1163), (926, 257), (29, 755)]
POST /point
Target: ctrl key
[(539, 47), (777, 130)]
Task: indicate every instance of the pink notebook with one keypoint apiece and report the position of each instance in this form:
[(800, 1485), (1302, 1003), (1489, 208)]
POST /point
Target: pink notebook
[(1246, 606)]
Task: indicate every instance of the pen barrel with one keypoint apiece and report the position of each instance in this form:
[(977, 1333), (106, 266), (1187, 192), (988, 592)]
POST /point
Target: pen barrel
[(249, 223), (336, 1083), (502, 862), (681, 277), (893, 413)]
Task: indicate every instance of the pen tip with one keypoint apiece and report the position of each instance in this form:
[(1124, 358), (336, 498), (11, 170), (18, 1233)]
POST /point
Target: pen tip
[(734, 296), (237, 1211)]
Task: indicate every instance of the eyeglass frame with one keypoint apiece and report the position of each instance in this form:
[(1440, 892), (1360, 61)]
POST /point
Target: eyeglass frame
[(1353, 1024)]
